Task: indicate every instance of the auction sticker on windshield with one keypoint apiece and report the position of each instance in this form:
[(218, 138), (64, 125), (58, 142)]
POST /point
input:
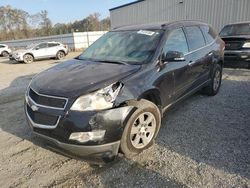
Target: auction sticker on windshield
[(144, 32)]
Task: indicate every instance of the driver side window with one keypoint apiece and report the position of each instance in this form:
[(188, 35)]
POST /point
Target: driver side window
[(176, 41)]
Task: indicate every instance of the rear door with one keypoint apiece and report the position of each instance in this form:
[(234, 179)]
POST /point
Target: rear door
[(212, 48), (198, 53), (52, 49)]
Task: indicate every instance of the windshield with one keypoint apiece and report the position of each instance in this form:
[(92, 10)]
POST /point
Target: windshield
[(239, 29), (124, 46)]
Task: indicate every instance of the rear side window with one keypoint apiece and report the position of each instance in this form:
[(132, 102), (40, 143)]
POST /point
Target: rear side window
[(195, 38), (1, 46), (208, 33), (176, 42), (42, 45), (53, 44)]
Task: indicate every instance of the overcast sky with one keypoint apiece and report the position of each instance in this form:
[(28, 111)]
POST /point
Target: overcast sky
[(64, 11)]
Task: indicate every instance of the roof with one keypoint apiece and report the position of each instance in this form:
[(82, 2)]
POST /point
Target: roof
[(134, 2), (159, 25)]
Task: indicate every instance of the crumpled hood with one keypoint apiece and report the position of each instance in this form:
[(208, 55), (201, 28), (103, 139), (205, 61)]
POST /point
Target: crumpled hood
[(77, 77), (20, 51)]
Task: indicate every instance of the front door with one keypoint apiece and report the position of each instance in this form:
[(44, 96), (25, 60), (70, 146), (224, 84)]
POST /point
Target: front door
[(176, 70)]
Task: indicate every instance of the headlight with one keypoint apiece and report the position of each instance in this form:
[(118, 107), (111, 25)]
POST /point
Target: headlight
[(98, 100), (246, 45)]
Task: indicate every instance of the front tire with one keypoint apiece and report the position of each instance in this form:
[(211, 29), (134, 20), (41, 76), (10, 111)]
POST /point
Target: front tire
[(213, 88), (141, 128), (27, 58)]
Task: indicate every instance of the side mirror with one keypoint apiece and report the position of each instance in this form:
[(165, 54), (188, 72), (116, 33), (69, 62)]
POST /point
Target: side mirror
[(36, 48), (173, 56)]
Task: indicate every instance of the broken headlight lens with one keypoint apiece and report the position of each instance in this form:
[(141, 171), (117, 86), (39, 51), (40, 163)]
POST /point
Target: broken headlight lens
[(98, 100)]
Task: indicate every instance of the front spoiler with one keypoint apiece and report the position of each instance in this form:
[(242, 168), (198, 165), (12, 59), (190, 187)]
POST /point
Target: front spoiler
[(96, 154)]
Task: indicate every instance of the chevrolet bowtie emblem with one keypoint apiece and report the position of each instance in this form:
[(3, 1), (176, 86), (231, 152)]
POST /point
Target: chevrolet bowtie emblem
[(34, 108)]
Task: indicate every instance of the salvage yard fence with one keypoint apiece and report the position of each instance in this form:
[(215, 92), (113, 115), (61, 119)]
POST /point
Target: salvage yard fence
[(75, 40)]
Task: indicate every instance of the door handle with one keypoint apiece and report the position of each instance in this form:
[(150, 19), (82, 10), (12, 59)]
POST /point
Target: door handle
[(191, 63)]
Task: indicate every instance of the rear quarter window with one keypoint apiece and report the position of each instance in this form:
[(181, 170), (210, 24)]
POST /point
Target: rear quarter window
[(209, 34), (194, 37)]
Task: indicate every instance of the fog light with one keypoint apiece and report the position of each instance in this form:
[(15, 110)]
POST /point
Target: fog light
[(82, 137)]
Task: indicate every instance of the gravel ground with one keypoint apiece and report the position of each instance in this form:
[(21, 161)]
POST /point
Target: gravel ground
[(203, 142)]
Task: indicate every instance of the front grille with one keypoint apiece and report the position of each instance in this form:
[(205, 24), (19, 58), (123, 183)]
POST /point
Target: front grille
[(41, 118), (232, 45), (49, 101)]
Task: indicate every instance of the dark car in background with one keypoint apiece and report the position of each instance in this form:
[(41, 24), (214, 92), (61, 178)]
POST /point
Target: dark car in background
[(113, 96), (237, 47)]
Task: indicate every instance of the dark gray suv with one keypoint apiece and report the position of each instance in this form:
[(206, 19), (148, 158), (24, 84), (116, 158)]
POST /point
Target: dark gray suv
[(113, 96)]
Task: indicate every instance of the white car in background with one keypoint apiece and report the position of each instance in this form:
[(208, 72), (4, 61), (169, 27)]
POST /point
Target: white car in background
[(42, 50), (4, 50)]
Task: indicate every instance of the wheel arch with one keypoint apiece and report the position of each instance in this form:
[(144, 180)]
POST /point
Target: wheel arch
[(4, 51), (29, 53), (61, 50), (152, 95), (219, 62)]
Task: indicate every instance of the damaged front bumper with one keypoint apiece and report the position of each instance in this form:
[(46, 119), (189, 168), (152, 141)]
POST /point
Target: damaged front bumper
[(15, 57), (95, 153), (112, 121)]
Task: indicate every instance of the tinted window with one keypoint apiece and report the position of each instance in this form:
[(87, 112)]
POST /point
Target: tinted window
[(176, 42), (53, 44), (42, 45), (195, 38), (208, 33), (1, 46), (237, 29)]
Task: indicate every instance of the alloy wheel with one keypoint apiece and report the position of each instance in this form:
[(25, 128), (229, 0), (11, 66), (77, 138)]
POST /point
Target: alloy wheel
[(5, 54), (60, 55), (28, 59), (143, 130), (217, 78)]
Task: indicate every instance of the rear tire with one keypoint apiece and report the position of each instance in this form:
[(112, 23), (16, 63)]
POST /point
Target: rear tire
[(213, 87), (60, 55), (5, 54), (141, 128), (27, 58)]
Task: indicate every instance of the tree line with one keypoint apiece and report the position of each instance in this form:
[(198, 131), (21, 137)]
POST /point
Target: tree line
[(19, 24)]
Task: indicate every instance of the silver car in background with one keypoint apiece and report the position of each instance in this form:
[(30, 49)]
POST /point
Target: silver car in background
[(4, 50), (42, 50)]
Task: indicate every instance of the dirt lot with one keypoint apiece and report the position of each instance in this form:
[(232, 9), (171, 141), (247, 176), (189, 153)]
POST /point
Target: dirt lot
[(203, 142)]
